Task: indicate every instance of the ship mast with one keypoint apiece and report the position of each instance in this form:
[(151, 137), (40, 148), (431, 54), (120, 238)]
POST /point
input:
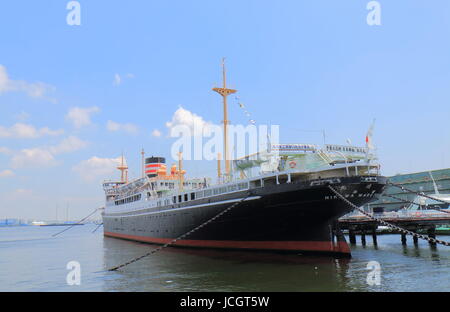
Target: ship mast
[(225, 92), (123, 169), (143, 163), (180, 171)]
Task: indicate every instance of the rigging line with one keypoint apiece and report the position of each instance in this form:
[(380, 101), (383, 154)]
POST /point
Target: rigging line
[(392, 226), (419, 194), (66, 229), (413, 203), (246, 112), (181, 236)]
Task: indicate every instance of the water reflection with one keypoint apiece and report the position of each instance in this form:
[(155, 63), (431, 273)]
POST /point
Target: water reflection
[(179, 269), (414, 267), (176, 269)]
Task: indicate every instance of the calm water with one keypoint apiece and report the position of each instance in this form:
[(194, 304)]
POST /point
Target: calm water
[(31, 260)]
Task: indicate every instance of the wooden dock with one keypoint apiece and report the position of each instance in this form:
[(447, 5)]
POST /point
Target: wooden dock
[(423, 221)]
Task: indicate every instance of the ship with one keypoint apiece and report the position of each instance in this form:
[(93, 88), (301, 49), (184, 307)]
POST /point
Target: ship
[(276, 200)]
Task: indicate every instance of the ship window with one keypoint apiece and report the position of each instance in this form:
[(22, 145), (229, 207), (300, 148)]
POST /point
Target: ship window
[(256, 183), (192, 196), (242, 186)]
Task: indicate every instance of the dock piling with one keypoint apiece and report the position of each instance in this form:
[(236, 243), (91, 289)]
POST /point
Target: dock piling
[(352, 237), (374, 236), (403, 239), (363, 238), (432, 234)]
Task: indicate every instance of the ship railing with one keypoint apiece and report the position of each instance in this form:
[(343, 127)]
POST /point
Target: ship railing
[(324, 155), (399, 215), (346, 161)]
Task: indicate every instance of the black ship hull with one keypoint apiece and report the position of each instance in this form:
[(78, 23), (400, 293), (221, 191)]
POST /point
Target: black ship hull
[(287, 217)]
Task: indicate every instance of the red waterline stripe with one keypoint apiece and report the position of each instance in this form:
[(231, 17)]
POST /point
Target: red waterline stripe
[(323, 246)]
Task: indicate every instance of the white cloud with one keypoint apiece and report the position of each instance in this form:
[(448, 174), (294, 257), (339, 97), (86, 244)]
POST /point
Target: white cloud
[(45, 156), (35, 89), (183, 117), (5, 150), (96, 168), (128, 127), (33, 158), (26, 131), (156, 133), (6, 173), (118, 79), (22, 116), (81, 116), (68, 145)]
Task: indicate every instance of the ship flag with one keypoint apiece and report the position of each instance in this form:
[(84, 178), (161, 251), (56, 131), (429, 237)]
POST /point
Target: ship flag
[(369, 142)]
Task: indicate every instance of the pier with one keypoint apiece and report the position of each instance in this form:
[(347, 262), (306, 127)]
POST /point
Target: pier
[(418, 221)]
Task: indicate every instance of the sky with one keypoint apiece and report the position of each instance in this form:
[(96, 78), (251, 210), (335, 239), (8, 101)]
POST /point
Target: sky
[(73, 98)]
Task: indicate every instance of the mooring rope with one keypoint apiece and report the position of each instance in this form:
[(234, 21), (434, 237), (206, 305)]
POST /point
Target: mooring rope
[(179, 237), (390, 225), (97, 227), (66, 229)]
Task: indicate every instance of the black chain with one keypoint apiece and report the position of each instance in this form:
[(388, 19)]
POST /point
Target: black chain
[(390, 225), (180, 237)]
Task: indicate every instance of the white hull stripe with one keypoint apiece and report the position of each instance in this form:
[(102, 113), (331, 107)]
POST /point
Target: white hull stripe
[(189, 207)]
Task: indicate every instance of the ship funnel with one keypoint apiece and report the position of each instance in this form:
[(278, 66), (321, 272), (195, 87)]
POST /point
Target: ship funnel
[(153, 165)]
